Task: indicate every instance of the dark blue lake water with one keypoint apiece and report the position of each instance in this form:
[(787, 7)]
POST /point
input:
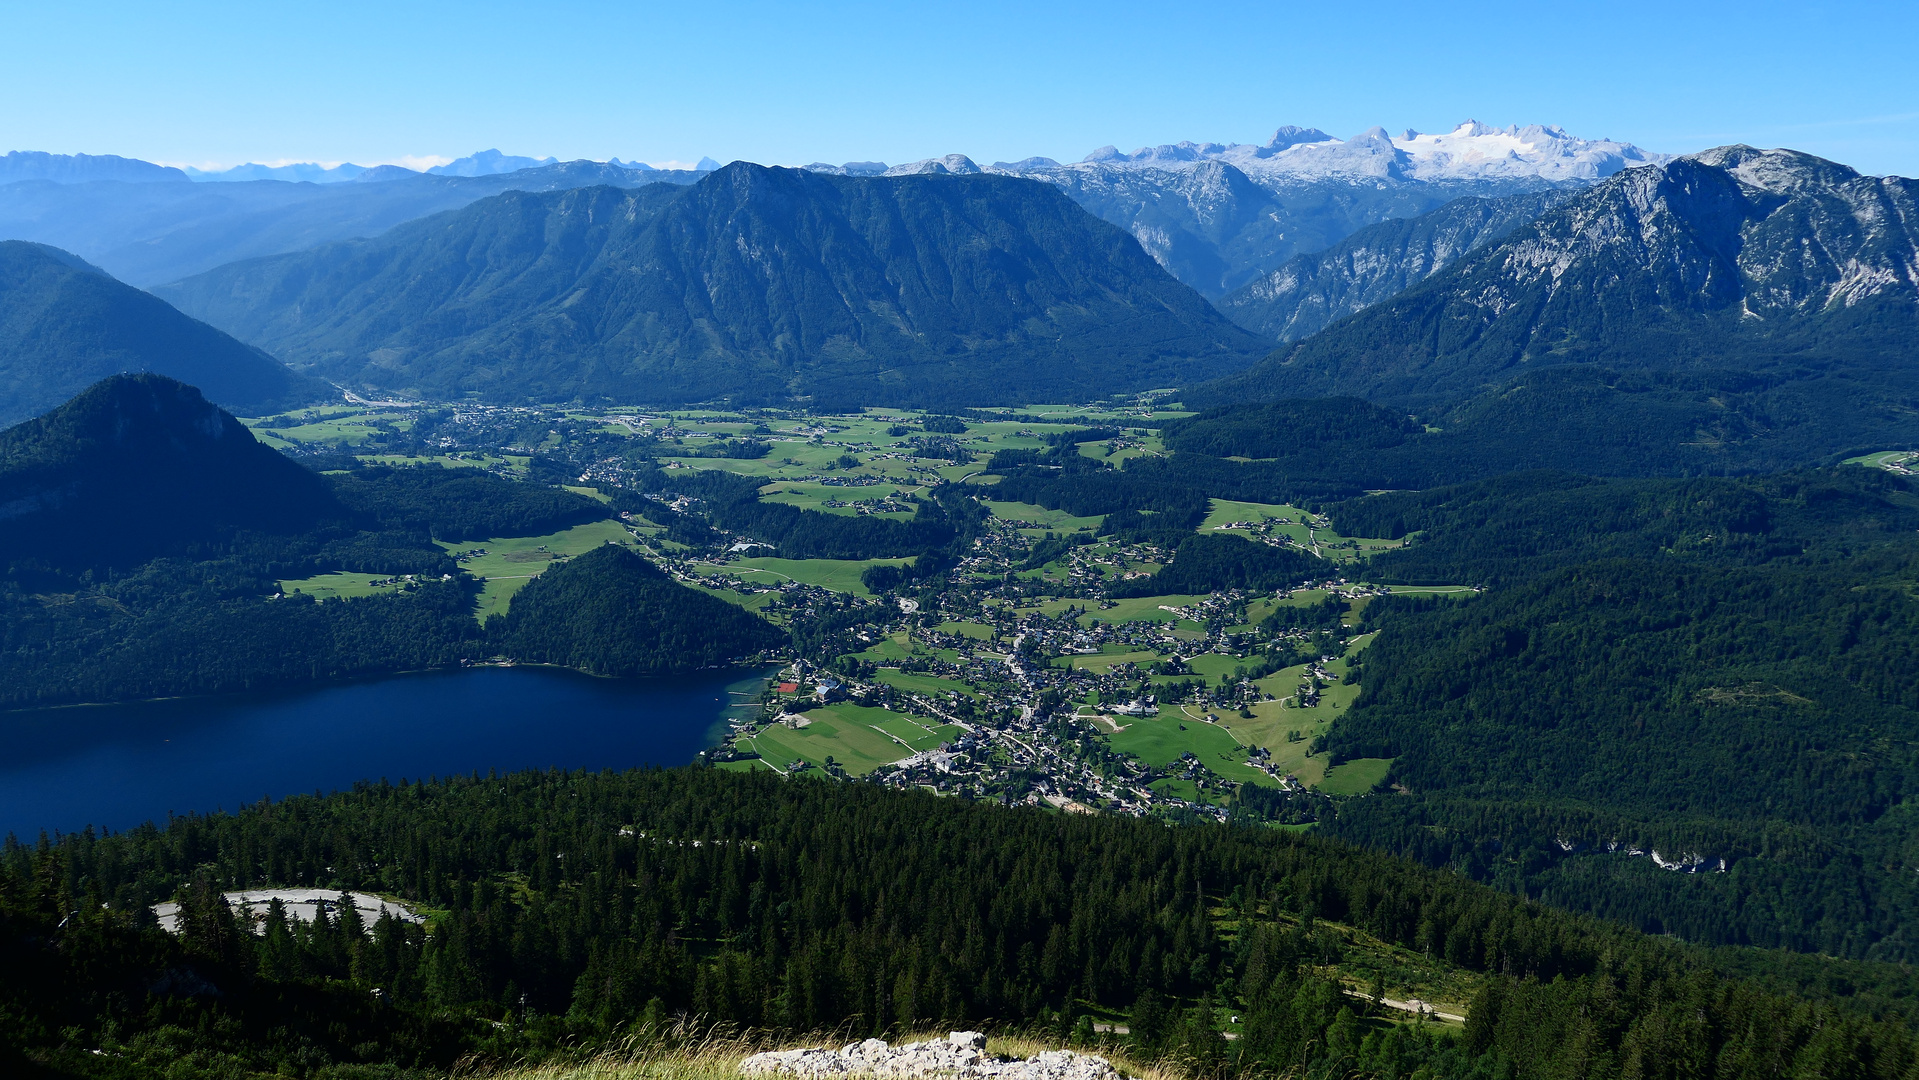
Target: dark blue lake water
[(115, 766)]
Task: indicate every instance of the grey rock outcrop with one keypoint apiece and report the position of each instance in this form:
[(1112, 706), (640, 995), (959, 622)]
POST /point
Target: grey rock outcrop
[(960, 1054)]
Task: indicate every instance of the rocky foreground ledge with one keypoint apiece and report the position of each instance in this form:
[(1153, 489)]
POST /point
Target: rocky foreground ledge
[(961, 1054)]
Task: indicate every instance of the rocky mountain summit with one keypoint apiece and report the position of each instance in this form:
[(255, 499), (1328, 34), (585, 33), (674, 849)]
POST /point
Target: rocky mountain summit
[(1734, 258), (1219, 215), (960, 1054), (1314, 290)]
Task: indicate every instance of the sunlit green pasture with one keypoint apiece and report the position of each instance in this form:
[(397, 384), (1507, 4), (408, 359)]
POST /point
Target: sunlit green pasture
[(1038, 519), (343, 586), (931, 685), (511, 562), (839, 575), (857, 738), (1160, 740)]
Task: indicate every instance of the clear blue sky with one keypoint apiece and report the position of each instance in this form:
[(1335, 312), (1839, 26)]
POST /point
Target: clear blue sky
[(794, 83)]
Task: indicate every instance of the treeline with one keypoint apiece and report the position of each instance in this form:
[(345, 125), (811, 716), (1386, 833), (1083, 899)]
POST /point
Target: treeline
[(460, 504), (571, 906)]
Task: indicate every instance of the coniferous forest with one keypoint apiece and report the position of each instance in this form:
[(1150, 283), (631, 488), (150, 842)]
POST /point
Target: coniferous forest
[(568, 907)]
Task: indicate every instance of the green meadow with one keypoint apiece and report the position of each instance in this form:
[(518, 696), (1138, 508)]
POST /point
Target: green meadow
[(858, 738), (512, 561)]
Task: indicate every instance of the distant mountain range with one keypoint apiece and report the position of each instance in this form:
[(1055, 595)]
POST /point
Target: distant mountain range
[(1471, 151), (21, 165), (1216, 215), (65, 324), (152, 233), (1219, 215), (757, 284), (1740, 306), (1734, 257)]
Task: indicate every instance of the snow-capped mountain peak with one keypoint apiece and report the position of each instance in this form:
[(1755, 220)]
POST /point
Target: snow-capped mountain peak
[(1471, 151)]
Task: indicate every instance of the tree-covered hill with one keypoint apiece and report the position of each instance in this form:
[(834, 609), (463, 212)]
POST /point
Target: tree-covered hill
[(141, 465), (754, 283), (568, 909), (65, 325), (1713, 674), (610, 612)]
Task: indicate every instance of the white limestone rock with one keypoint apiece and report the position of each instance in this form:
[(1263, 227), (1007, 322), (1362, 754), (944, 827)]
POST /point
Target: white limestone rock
[(961, 1054)]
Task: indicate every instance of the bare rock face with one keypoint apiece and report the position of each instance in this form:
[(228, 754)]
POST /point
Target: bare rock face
[(960, 1054)]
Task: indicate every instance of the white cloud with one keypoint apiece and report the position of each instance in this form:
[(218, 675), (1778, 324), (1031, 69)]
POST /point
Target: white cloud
[(416, 162)]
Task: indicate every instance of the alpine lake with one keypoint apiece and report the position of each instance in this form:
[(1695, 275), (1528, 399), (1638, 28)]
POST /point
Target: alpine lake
[(117, 766)]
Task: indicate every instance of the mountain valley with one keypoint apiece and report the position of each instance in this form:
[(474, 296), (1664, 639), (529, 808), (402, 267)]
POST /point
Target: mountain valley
[(1419, 607)]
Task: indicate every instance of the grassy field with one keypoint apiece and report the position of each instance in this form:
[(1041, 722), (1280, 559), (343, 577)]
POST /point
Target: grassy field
[(931, 685), (1160, 740), (1225, 511), (1143, 609), (342, 586), (511, 562), (1355, 777), (1273, 721), (858, 738), (339, 426), (815, 496), (1891, 460), (1295, 524), (839, 575), (1041, 520), (889, 649), (976, 631), (751, 602), (445, 461), (1112, 656)]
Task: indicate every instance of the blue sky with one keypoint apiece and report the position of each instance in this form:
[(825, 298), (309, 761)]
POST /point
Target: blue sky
[(206, 83)]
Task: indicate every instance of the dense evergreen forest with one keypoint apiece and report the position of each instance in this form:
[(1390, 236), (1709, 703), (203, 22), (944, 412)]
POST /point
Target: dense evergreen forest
[(566, 907), (1203, 564), (1689, 705), (732, 502), (611, 612)]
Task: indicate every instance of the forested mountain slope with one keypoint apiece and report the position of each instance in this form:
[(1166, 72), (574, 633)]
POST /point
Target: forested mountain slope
[(139, 466), (1685, 704), (65, 324), (757, 284), (1793, 270)]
